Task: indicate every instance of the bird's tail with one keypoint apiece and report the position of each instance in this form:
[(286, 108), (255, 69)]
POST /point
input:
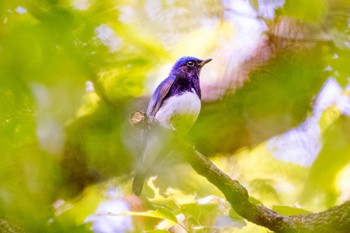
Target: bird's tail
[(137, 183)]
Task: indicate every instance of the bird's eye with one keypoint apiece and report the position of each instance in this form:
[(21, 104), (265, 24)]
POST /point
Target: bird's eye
[(190, 63)]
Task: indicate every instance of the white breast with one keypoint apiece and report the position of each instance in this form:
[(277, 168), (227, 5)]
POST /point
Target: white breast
[(179, 112)]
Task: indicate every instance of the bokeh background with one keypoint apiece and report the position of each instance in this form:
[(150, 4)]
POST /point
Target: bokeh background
[(275, 112)]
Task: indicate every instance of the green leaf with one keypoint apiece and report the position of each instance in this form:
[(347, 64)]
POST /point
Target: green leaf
[(314, 11), (165, 224), (154, 214)]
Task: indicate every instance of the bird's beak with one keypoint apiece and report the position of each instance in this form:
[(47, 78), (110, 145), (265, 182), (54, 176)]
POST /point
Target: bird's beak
[(205, 62)]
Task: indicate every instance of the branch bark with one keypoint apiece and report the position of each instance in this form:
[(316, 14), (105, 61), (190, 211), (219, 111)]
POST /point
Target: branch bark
[(335, 219)]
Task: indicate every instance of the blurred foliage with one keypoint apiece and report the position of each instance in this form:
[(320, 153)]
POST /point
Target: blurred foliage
[(321, 186), (71, 72), (180, 210), (301, 11), (269, 92)]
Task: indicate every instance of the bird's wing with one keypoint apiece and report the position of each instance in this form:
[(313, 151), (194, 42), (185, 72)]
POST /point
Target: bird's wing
[(159, 95), (153, 144)]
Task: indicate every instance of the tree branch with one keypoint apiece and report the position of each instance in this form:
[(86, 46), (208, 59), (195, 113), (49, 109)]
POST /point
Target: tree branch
[(335, 219)]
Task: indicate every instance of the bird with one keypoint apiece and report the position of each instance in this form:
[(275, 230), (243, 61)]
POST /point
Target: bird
[(175, 104)]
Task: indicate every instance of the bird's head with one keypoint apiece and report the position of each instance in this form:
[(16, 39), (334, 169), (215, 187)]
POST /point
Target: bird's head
[(188, 66)]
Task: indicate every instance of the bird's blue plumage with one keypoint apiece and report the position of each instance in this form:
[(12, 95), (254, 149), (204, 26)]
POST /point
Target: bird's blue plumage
[(159, 95), (182, 61)]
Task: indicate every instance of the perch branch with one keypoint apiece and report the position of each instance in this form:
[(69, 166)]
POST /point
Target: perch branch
[(335, 219)]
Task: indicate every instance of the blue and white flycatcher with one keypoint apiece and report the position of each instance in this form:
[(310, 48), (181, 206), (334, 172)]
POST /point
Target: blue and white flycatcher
[(175, 104)]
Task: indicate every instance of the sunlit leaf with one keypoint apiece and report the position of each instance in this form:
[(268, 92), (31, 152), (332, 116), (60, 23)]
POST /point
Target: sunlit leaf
[(166, 224), (155, 189), (180, 197), (155, 214)]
